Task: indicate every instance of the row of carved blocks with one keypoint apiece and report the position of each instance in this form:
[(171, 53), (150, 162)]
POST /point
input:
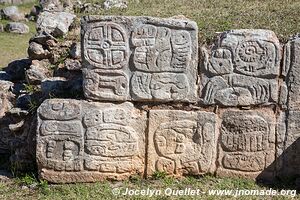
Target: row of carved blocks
[(153, 59), (80, 141), (149, 59)]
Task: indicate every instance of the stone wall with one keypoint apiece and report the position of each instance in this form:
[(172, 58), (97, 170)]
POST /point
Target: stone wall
[(158, 102)]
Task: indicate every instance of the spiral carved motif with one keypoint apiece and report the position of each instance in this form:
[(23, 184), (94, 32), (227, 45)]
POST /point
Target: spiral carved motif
[(250, 51)]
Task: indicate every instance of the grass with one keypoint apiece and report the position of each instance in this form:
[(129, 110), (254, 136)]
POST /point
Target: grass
[(281, 16), (14, 46), (28, 186)]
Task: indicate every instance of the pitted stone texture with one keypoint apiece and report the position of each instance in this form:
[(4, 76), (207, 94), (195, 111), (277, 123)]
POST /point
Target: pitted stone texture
[(290, 147), (80, 141), (246, 145), (289, 134), (241, 69), (55, 23), (139, 59), (181, 142), (291, 69)]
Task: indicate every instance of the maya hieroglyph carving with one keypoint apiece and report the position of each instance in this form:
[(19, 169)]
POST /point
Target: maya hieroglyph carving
[(150, 60), (140, 59)]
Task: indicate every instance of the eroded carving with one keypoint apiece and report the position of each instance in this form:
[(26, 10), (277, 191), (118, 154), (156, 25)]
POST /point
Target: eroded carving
[(104, 141), (159, 86), (106, 46), (106, 86), (160, 49), (247, 142), (242, 69), (181, 142), (158, 57)]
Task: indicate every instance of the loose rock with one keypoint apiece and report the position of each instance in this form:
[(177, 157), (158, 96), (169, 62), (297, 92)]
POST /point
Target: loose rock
[(55, 23), (109, 4), (37, 52), (12, 13), (16, 27)]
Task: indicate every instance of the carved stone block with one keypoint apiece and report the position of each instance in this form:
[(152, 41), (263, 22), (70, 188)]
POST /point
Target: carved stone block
[(247, 144), (290, 146), (181, 142), (289, 134), (241, 69), (80, 141), (291, 69), (139, 59)]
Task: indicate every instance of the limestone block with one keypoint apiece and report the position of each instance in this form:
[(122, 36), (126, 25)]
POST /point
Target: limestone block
[(289, 143), (181, 142), (139, 58), (241, 69), (290, 150), (291, 69), (246, 145), (81, 141)]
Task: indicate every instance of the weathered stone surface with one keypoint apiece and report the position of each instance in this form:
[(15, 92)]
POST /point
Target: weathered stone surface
[(291, 69), (15, 2), (5, 97), (12, 13), (109, 4), (51, 5), (139, 58), (72, 65), (75, 51), (36, 73), (246, 145), (56, 5), (80, 141), (181, 142), (55, 23), (16, 27), (36, 51), (288, 142), (241, 69)]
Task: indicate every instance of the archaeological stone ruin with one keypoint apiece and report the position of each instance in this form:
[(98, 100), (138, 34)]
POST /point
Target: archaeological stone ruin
[(154, 100)]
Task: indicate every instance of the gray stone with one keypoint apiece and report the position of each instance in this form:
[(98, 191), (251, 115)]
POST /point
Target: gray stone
[(72, 65), (109, 4), (80, 141), (36, 73), (12, 13), (37, 52), (51, 5), (1, 28), (83, 7), (292, 69), (181, 142), (16, 27), (163, 64), (55, 23), (289, 132), (241, 69), (246, 145), (15, 2), (56, 5), (5, 85), (75, 51)]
